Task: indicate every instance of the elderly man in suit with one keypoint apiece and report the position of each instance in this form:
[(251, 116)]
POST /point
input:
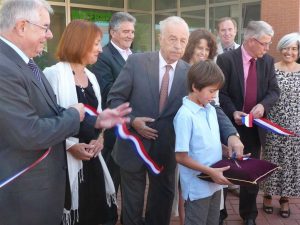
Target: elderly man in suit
[(226, 31), (31, 121), (155, 83), (250, 87), (107, 68)]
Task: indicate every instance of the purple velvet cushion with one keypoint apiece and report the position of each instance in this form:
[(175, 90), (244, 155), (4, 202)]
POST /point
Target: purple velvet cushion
[(244, 172)]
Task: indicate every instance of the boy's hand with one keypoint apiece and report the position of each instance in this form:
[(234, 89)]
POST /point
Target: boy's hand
[(216, 175)]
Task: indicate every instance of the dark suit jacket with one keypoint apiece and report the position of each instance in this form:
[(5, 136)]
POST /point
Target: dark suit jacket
[(107, 68), (232, 93), (138, 83), (30, 122)]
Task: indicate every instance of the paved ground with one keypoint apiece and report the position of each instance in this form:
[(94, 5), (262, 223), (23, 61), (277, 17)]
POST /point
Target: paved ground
[(232, 204)]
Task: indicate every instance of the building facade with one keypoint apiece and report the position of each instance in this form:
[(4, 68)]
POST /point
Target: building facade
[(197, 13)]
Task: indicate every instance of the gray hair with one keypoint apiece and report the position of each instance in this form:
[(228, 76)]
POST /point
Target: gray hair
[(13, 10), (287, 40), (256, 29), (174, 20), (118, 18)]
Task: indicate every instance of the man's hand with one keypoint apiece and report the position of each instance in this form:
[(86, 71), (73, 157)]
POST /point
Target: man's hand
[(237, 116), (80, 108), (258, 111), (110, 117), (139, 124), (235, 145), (79, 151)]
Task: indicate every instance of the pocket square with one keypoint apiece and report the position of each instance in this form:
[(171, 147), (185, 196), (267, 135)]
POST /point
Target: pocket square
[(244, 172)]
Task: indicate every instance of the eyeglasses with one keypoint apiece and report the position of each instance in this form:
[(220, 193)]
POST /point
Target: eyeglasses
[(263, 44), (45, 28)]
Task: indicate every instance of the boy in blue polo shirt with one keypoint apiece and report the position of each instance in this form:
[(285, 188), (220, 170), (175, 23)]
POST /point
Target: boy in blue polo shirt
[(198, 145)]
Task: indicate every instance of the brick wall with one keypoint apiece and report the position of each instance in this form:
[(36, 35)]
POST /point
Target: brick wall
[(283, 16)]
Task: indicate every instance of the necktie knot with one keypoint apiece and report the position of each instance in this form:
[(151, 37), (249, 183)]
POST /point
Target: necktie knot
[(31, 64), (252, 60), (168, 68)]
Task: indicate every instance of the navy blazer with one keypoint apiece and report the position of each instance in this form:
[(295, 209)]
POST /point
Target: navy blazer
[(106, 69), (232, 93)]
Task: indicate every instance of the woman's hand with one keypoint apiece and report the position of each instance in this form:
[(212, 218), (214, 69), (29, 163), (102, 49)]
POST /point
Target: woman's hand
[(97, 146), (79, 151)]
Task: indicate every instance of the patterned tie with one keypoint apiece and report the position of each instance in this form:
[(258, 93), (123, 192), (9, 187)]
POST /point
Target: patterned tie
[(36, 72), (251, 87), (163, 95)]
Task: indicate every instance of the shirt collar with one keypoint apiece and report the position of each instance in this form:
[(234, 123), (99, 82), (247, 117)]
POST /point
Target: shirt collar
[(193, 106), (18, 50), (127, 51), (245, 55), (163, 63), (230, 47)]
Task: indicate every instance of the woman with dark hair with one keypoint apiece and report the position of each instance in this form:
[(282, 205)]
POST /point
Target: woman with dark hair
[(202, 45), (91, 193)]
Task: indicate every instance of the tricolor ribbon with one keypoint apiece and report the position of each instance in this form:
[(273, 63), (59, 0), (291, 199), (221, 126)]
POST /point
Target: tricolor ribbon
[(123, 133), (10, 179), (90, 110), (266, 124)]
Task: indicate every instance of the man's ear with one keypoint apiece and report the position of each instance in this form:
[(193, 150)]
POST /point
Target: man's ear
[(193, 88), (20, 27)]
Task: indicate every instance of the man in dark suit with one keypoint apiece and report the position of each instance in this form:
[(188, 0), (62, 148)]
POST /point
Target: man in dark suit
[(142, 82), (250, 86), (31, 121), (107, 68)]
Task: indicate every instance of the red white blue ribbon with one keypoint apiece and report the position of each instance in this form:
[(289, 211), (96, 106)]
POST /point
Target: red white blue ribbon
[(90, 110), (266, 124), (10, 179), (123, 133)]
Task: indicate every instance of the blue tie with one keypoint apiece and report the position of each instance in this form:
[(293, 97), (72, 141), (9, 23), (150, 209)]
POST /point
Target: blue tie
[(35, 70)]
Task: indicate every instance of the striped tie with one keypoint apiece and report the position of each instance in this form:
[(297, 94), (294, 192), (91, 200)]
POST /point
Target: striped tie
[(163, 96), (35, 70)]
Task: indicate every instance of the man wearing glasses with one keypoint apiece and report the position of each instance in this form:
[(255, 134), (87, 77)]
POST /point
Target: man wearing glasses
[(250, 87), (31, 121)]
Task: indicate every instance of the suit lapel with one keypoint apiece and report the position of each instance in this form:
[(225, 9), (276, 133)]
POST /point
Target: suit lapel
[(44, 87), (176, 84), (10, 53), (260, 64), (116, 55), (240, 68), (153, 78)]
